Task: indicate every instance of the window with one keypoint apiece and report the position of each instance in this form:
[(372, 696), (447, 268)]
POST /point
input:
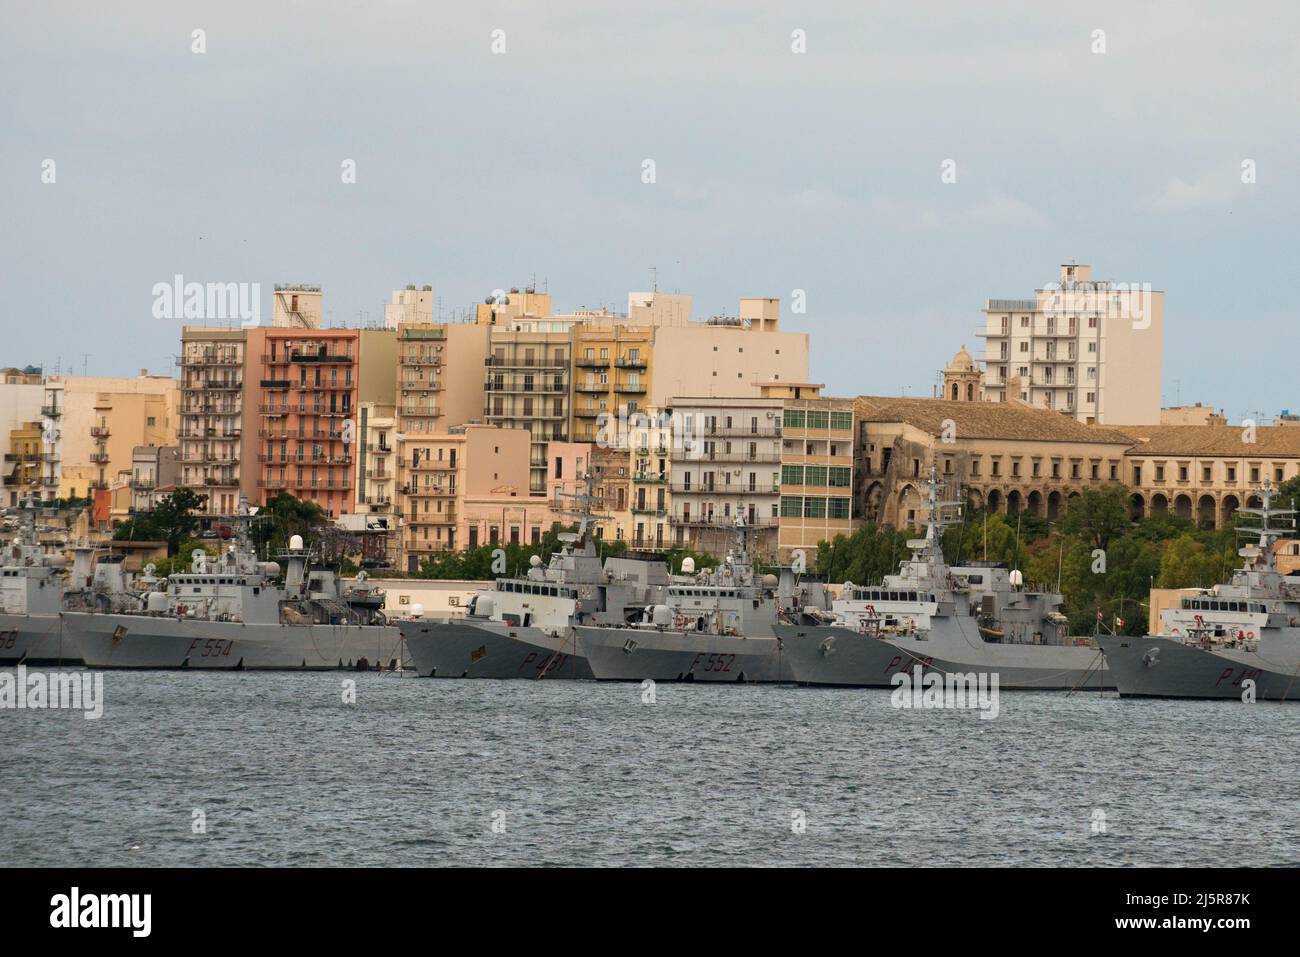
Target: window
[(791, 474), (559, 467), (818, 420), (838, 508), (842, 420), (791, 506), (839, 476), (814, 507), (794, 419)]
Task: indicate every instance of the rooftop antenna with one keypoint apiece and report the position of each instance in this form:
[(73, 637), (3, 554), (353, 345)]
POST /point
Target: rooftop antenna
[(85, 359), (654, 278)]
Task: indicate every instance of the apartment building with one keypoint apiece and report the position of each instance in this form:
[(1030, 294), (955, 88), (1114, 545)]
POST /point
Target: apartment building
[(306, 399), (1007, 457), (104, 418), (23, 405), (1089, 348), (24, 463), (155, 470), (1204, 473), (212, 422), (816, 482), (464, 488), (296, 306), (725, 355), (527, 386), (727, 466), (409, 305)]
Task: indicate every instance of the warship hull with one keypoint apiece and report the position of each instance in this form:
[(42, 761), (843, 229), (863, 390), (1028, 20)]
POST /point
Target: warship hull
[(1167, 668), (35, 640), (137, 641), (835, 656), (467, 648), (635, 654)]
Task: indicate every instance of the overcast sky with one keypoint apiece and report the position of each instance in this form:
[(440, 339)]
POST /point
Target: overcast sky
[(775, 171)]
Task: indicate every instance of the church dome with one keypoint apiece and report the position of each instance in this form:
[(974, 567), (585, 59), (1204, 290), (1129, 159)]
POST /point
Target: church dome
[(961, 362)]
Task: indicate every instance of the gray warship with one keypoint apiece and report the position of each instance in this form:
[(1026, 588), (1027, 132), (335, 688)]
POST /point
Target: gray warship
[(33, 594), (715, 626), (1231, 641), (523, 626), (976, 617), (231, 614)]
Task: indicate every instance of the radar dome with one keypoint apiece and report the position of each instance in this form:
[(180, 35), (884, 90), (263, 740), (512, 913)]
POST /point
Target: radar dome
[(295, 543), (535, 560), (1016, 578), (662, 615), (417, 610), (688, 566), (769, 581), (156, 601)]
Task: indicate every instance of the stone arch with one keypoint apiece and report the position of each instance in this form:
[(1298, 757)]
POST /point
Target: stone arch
[(875, 491), (1053, 506), (1183, 506), (1206, 511), (1254, 502), (1228, 508), (1015, 501), (1034, 503), (1137, 507), (994, 500), (956, 391), (907, 499), (1159, 504), (974, 499)]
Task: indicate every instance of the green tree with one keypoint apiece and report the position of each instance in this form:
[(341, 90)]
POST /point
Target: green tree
[(1097, 516), (171, 520)]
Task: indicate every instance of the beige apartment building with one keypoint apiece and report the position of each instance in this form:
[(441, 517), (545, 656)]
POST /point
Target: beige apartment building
[(464, 488), (727, 465), (26, 405), (527, 386), (816, 482), (1007, 457), (1204, 473), (410, 306), (105, 418), (211, 437), (296, 306), (1089, 348), (155, 470)]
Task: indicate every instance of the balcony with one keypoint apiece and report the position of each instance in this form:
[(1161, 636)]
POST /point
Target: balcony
[(99, 458), (210, 359), (593, 387), (51, 411), (630, 388), (656, 510), (648, 478), (585, 362), (224, 384), (376, 449), (758, 458), (318, 357), (143, 484), (763, 432), (625, 362), (550, 363), (99, 431), (221, 481), (590, 413), (275, 384), (721, 521)]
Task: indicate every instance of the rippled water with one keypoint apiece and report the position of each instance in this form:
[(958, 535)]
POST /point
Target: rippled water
[(417, 770)]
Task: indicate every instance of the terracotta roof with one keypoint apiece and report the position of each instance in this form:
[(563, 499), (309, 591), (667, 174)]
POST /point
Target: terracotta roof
[(985, 420), (1227, 440)]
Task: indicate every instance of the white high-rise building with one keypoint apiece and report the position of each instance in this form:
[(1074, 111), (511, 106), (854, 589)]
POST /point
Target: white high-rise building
[(1089, 348)]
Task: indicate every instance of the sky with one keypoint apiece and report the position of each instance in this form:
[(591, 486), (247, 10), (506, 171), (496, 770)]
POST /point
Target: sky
[(774, 171)]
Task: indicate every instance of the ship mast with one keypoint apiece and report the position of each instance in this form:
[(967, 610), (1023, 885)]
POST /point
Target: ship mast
[(934, 520), (1268, 534), (583, 510)]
